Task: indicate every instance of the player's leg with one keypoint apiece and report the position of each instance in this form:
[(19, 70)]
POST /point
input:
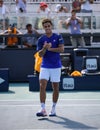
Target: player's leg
[(55, 79), (43, 79)]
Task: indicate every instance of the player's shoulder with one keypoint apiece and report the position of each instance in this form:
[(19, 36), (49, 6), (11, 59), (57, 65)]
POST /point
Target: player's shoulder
[(56, 34), (42, 36)]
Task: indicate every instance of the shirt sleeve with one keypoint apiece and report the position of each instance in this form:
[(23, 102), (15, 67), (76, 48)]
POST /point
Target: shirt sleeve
[(39, 44), (61, 40)]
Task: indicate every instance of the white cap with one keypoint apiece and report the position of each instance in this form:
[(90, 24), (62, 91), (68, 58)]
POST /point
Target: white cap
[(58, 6)]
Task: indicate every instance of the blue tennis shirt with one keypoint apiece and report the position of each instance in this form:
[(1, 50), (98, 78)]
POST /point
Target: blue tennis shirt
[(50, 59)]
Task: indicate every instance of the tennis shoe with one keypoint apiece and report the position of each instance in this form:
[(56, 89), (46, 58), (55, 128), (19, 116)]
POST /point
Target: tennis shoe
[(42, 113), (52, 113)]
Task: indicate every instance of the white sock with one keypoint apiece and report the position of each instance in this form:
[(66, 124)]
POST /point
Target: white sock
[(43, 105), (54, 104), (53, 107)]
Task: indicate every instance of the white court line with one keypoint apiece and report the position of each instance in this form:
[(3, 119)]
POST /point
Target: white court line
[(49, 100), (59, 105), (47, 129)]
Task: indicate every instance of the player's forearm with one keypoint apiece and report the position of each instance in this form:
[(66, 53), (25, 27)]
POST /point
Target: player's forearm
[(42, 52), (58, 49)]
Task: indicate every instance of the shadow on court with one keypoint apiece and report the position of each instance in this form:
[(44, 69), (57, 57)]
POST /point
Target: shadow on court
[(67, 123)]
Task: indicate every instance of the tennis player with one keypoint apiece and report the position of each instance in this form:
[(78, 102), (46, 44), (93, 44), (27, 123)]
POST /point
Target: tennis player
[(49, 46)]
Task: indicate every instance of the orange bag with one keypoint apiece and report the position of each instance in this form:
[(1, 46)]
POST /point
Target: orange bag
[(76, 73), (38, 61)]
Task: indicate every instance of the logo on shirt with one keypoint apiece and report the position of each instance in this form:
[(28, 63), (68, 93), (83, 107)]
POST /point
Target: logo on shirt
[(54, 40)]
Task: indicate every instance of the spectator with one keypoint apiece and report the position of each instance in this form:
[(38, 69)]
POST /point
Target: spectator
[(12, 41), (49, 46), (74, 23), (44, 9), (4, 11), (61, 9), (76, 5), (30, 41), (86, 8), (21, 8)]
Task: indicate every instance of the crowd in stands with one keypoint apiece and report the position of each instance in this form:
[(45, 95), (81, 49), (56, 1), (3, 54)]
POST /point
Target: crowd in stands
[(84, 6), (73, 23), (80, 5)]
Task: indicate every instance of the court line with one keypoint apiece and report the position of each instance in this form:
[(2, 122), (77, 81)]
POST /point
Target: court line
[(48, 129), (49, 100), (59, 105)]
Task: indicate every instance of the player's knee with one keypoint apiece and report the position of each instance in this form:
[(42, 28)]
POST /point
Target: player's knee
[(55, 88)]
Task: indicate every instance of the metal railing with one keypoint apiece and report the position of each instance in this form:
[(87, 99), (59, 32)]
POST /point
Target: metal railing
[(90, 21), (90, 26), (91, 40)]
